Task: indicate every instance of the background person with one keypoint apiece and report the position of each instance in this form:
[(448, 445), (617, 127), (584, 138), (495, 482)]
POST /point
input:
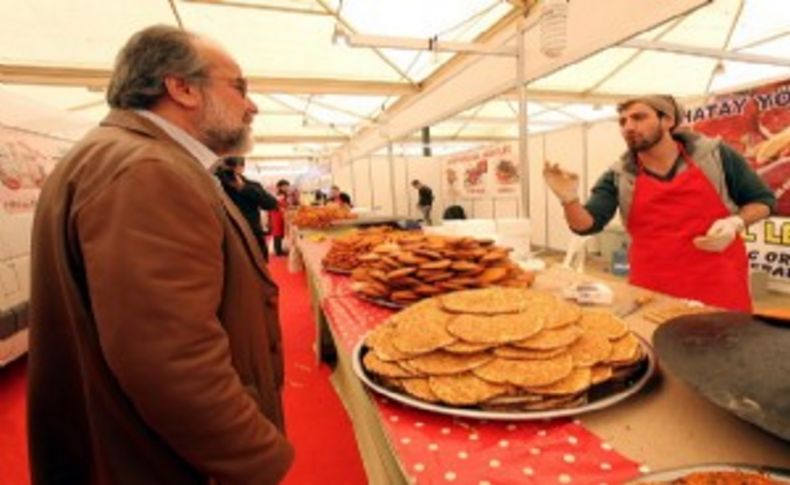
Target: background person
[(425, 201), (248, 195), (454, 212), (277, 217), (155, 353), (335, 193), (683, 199)]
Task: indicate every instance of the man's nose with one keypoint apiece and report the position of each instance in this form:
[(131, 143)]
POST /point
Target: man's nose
[(252, 107)]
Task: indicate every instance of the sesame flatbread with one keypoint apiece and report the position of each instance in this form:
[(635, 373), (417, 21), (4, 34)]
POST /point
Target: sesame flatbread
[(526, 373), (464, 389), (604, 323), (600, 373), (387, 369), (590, 349), (495, 329), (445, 363), (579, 380), (488, 301), (461, 347), (380, 342), (419, 388), (422, 328), (625, 350), (552, 339), (517, 353)]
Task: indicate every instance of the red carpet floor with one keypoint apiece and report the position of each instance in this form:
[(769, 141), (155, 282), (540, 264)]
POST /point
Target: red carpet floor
[(317, 424)]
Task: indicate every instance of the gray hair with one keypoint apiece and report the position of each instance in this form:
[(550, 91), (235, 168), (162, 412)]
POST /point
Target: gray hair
[(138, 80)]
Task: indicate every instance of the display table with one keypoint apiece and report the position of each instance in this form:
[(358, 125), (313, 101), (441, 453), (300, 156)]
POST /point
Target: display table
[(665, 425)]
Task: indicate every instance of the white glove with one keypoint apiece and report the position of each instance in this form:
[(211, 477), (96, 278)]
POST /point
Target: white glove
[(565, 185), (721, 233)]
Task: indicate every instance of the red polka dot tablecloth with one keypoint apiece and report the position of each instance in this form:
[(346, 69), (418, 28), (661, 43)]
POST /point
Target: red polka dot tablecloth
[(440, 449)]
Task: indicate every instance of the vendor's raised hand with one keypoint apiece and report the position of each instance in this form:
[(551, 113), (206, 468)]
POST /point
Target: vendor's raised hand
[(565, 185), (720, 234)]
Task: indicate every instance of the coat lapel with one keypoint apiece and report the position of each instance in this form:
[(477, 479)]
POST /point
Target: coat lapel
[(134, 122)]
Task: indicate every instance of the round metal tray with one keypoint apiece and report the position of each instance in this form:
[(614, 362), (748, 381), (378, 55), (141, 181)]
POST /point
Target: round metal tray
[(593, 405), (778, 475)]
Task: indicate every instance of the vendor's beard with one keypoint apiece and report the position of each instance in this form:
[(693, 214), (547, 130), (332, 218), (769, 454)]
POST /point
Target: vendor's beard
[(647, 142), (220, 133)]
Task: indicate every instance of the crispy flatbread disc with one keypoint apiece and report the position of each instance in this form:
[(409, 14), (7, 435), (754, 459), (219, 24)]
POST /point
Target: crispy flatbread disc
[(444, 363), (419, 388), (625, 350), (563, 313), (380, 342), (495, 329), (590, 349), (517, 353), (526, 373), (604, 323), (461, 347), (600, 373), (378, 366), (422, 328), (489, 301), (579, 380), (464, 389), (552, 339)]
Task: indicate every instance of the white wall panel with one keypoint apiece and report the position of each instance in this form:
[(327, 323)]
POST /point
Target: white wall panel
[(482, 209), (506, 208), (565, 147), (538, 214), (362, 191), (342, 178), (382, 186), (402, 206)]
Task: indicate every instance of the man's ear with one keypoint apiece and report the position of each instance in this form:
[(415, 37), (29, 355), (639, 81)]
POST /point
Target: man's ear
[(182, 92)]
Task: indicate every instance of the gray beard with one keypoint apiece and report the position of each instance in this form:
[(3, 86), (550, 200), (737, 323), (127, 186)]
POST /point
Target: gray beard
[(228, 142)]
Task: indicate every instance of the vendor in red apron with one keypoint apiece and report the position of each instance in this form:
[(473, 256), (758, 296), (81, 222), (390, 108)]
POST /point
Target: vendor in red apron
[(684, 200)]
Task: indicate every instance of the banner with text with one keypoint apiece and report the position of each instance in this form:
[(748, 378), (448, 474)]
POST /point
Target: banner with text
[(757, 124)]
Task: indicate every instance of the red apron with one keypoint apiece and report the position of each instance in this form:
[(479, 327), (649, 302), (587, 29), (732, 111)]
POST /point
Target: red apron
[(665, 218)]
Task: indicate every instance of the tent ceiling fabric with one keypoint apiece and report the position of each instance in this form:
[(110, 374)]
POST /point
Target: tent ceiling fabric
[(314, 95)]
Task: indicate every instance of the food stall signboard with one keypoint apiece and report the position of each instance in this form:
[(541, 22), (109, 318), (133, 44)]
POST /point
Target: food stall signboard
[(756, 123)]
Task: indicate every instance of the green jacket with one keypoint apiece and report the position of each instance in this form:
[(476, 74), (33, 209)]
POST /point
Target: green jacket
[(729, 173)]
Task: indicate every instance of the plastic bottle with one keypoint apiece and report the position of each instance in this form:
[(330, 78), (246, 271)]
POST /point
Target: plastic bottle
[(620, 266)]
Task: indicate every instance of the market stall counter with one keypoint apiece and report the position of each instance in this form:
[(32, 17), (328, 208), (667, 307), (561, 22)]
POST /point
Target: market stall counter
[(665, 425)]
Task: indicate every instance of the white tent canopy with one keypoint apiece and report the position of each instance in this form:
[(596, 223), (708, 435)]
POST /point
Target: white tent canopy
[(318, 98)]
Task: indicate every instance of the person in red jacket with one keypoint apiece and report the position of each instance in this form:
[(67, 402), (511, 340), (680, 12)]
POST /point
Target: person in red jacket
[(277, 217)]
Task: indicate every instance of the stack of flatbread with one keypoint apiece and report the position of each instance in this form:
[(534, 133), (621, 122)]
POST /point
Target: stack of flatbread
[(421, 266), (504, 349)]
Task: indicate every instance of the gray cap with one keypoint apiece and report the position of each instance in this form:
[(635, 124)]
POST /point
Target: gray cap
[(663, 103)]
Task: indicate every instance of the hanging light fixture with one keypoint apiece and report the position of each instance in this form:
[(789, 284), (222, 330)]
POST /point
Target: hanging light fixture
[(553, 27)]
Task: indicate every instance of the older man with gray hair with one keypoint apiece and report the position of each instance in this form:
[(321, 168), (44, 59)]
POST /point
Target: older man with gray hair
[(155, 342), (683, 199)]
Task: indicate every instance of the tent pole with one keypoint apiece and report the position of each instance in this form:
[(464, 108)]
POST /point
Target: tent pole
[(522, 119)]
